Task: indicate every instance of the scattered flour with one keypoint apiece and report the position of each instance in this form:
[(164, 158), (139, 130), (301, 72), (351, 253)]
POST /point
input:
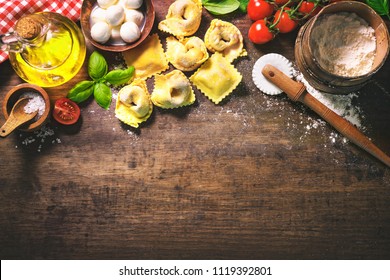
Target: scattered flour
[(340, 104), (343, 44)]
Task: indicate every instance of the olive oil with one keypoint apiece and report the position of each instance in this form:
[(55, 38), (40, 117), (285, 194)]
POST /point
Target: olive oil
[(54, 56)]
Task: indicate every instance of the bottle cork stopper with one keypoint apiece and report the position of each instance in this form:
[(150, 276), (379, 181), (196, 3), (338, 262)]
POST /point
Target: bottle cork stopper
[(28, 28)]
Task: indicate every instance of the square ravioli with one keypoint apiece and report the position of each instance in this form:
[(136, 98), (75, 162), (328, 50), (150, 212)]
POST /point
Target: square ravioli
[(148, 58), (216, 78)]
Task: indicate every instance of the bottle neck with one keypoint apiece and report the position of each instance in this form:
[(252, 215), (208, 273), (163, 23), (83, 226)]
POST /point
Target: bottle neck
[(29, 31)]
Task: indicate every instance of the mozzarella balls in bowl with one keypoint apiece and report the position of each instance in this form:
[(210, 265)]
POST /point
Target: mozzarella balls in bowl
[(117, 22), (130, 32), (101, 32), (132, 4)]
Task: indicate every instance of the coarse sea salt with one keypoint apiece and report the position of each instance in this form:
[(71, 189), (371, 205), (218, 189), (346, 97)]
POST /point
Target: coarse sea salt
[(40, 138), (35, 103)]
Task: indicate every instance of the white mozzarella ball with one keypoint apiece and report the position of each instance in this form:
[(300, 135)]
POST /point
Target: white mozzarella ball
[(98, 14), (116, 33), (135, 16), (106, 3), (101, 32), (115, 15), (132, 4), (130, 32)]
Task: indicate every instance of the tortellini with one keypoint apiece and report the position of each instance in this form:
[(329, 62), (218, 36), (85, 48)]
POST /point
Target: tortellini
[(172, 90), (183, 18), (134, 105), (216, 78), (186, 54), (226, 38)]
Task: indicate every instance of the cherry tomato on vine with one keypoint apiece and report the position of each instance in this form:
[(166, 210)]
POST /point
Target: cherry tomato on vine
[(285, 24), (259, 33), (66, 111), (259, 9), (307, 8)]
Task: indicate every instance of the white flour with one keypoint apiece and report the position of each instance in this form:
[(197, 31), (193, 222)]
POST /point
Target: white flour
[(343, 44), (340, 104)]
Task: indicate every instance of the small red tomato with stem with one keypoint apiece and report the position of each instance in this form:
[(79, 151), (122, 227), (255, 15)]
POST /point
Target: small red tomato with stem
[(259, 9), (283, 22), (260, 33), (309, 8), (66, 111)]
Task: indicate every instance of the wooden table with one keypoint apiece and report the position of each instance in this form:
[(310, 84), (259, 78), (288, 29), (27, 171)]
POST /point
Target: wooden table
[(256, 177)]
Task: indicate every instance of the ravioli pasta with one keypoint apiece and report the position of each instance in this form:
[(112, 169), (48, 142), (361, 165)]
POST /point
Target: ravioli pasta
[(133, 105), (148, 58), (186, 54), (172, 90), (216, 78), (183, 18), (226, 38)]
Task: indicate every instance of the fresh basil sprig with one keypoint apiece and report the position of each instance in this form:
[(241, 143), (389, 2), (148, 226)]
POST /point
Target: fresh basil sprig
[(119, 77), (380, 6), (222, 7), (102, 94), (98, 71), (97, 66)]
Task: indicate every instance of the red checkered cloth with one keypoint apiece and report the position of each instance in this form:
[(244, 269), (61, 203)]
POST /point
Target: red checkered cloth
[(11, 11)]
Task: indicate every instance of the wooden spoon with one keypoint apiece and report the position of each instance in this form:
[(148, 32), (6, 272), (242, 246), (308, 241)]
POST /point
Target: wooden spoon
[(297, 92), (17, 117)]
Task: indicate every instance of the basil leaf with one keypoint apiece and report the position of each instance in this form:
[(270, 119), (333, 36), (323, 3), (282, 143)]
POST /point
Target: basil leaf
[(97, 66), (119, 77), (103, 95), (222, 7), (380, 6), (81, 91), (243, 5)]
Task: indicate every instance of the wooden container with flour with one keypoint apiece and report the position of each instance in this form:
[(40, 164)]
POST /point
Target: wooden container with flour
[(340, 49)]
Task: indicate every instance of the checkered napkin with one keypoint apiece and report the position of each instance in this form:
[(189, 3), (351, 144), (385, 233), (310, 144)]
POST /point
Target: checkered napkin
[(11, 11)]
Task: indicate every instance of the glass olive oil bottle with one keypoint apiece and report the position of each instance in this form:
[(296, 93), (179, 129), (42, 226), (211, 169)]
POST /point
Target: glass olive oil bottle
[(46, 49)]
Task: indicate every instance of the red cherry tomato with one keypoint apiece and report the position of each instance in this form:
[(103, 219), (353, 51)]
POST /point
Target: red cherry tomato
[(259, 33), (307, 8), (285, 24), (66, 111), (259, 9)]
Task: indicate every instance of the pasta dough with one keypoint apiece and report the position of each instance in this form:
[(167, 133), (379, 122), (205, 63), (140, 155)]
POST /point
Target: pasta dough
[(186, 54), (226, 38), (172, 90), (148, 58), (183, 18), (216, 78), (133, 105)]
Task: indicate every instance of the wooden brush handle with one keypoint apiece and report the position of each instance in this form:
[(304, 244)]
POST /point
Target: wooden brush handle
[(296, 91)]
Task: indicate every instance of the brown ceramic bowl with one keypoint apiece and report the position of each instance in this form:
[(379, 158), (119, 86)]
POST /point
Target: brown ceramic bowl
[(86, 9), (14, 95)]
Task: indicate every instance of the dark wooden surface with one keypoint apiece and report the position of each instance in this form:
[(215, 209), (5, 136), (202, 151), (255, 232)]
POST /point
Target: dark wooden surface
[(245, 179)]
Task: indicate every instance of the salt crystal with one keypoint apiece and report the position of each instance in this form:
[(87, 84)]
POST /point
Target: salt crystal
[(35, 103), (40, 136)]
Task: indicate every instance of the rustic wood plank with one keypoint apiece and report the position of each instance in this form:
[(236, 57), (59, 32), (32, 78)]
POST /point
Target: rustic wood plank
[(242, 180)]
